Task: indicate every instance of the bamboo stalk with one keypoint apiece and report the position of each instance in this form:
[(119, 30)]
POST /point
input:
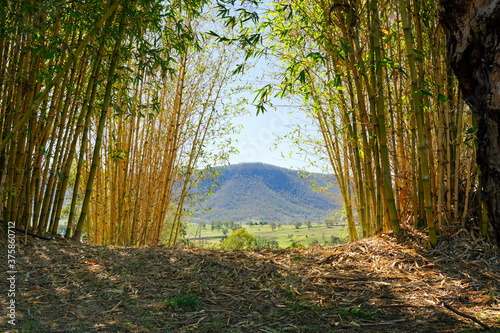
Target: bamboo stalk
[(100, 128), (422, 153), (36, 103)]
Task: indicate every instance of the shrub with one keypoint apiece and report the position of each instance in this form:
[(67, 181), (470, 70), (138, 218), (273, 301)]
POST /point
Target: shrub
[(239, 239), (296, 244), (337, 240), (313, 242), (270, 243)]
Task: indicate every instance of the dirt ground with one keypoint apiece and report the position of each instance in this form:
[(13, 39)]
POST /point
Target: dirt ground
[(378, 284)]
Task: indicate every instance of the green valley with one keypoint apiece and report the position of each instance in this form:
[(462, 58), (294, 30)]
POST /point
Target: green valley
[(270, 234)]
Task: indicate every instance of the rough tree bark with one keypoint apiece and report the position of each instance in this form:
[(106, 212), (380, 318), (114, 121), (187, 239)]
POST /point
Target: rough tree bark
[(473, 30)]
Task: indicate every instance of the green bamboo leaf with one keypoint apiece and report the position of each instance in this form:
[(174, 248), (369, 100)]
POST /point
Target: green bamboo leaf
[(425, 92), (302, 76), (442, 98), (239, 69), (316, 56), (473, 129)]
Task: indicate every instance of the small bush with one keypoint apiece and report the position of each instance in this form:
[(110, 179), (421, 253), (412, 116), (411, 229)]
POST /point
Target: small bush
[(239, 239), (337, 240), (273, 244), (313, 242), (296, 244)]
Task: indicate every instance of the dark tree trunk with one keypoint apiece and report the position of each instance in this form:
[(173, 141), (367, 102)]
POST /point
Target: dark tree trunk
[(473, 30)]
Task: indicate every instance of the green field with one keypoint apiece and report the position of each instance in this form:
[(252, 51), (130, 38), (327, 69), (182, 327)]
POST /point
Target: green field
[(317, 234)]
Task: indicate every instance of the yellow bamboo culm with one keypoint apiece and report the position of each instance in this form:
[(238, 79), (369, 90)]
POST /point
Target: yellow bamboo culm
[(382, 103)]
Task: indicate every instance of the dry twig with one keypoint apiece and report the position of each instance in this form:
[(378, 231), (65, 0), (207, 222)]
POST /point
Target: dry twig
[(477, 321)]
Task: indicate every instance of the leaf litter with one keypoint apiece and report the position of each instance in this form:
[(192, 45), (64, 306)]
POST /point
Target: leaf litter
[(378, 284)]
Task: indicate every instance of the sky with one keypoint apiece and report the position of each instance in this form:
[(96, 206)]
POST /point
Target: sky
[(258, 138), (257, 141)]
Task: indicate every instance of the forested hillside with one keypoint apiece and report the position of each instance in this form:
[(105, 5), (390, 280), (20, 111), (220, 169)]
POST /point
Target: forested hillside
[(262, 192)]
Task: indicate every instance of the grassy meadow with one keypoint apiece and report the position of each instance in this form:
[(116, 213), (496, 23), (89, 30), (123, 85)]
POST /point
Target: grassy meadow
[(285, 235)]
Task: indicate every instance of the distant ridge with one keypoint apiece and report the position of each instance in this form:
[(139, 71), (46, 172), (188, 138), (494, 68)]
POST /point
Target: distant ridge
[(263, 192)]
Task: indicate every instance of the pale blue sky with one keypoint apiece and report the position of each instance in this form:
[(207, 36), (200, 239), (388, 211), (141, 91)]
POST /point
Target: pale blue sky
[(257, 141), (258, 137)]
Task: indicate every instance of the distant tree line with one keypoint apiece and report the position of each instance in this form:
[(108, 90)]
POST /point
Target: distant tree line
[(232, 225)]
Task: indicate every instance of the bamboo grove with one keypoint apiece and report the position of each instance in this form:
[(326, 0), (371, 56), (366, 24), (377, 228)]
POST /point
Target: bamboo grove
[(374, 78), (112, 102), (115, 101)]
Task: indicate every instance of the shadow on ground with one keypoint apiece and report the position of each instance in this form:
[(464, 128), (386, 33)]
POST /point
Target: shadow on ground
[(372, 285)]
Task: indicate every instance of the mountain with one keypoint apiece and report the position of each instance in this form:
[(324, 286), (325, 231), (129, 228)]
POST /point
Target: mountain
[(262, 192)]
